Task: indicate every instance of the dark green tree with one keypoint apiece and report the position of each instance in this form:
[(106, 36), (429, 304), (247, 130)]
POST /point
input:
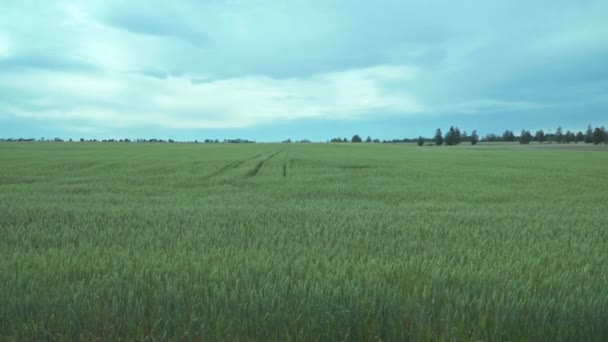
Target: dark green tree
[(420, 141), (570, 137), (474, 138), (356, 139), (508, 136), (450, 137), (465, 136), (369, 139), (579, 137), (589, 135), (540, 136), (525, 137), (438, 137), (559, 135), (598, 136)]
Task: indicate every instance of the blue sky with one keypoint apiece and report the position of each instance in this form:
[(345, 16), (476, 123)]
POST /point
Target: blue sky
[(271, 70)]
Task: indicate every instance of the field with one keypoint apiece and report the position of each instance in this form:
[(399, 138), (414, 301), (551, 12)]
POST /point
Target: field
[(303, 242)]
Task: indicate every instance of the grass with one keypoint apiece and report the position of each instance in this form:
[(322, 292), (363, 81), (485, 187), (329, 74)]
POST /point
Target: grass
[(302, 242)]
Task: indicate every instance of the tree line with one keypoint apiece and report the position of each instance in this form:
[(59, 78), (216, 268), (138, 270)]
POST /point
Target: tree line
[(453, 136), (126, 140)]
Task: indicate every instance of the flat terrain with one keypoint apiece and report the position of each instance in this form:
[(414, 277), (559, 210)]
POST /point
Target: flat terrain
[(303, 242)]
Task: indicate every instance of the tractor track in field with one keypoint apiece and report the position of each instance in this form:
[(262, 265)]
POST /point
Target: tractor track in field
[(232, 165), (259, 165)]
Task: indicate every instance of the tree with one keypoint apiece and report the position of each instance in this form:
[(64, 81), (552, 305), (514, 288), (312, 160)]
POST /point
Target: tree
[(559, 135), (598, 136), (508, 136), (491, 137), (451, 137), (525, 137), (570, 137), (474, 138), (579, 137), (438, 137), (369, 139), (356, 139), (589, 135), (420, 141), (540, 136), (603, 129)]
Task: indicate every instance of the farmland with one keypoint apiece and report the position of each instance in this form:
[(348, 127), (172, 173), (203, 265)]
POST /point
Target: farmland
[(303, 242)]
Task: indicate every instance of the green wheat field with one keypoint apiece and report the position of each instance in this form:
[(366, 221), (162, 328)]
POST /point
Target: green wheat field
[(304, 242)]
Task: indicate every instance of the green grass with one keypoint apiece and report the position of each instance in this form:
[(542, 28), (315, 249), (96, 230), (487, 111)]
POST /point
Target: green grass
[(302, 242)]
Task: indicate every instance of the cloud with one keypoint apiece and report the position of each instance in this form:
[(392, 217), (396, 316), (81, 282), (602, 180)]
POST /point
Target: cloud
[(489, 106), (6, 46), (39, 61), (153, 72), (159, 20), (235, 63), (176, 102)]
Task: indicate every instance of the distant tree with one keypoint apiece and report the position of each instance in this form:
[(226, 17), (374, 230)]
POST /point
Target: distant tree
[(570, 137), (81, 139), (450, 136), (598, 136), (369, 139), (438, 137), (559, 135), (356, 139), (603, 129), (474, 138), (508, 136), (579, 137), (376, 140), (491, 137), (525, 137), (589, 135), (453, 137), (540, 136), (420, 141), (464, 137)]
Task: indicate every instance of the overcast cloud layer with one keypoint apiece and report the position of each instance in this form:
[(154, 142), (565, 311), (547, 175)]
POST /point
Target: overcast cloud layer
[(314, 69)]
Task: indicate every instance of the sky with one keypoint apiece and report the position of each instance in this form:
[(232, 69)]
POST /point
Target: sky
[(271, 70)]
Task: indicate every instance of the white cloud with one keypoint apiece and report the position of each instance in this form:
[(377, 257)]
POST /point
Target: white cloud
[(492, 106), (124, 99), (6, 45)]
